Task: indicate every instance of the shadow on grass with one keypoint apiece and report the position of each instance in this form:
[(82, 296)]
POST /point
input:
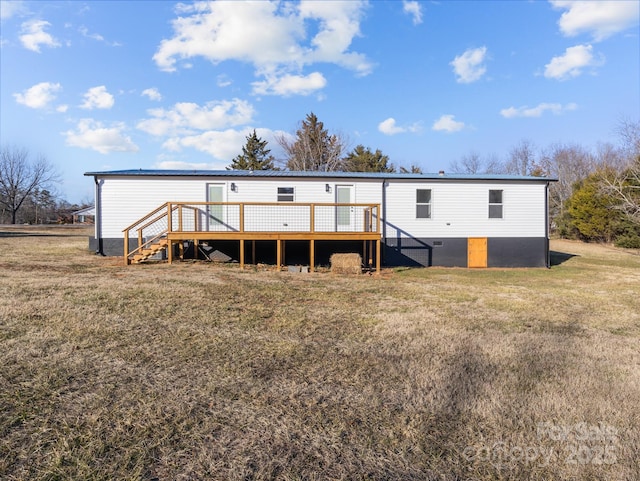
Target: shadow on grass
[(558, 258), (37, 234)]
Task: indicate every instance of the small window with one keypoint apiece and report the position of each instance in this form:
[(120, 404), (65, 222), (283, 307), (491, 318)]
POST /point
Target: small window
[(285, 194), (495, 204), (423, 203)]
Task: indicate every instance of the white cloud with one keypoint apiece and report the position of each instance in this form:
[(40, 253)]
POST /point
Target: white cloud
[(446, 123), (469, 66), (91, 134), (38, 96), (288, 85), (222, 145), (152, 93), (10, 8), (537, 111), (600, 18), (181, 165), (223, 80), (272, 36), (571, 64), (185, 118), (97, 98), (389, 127), (62, 108), (84, 31), (33, 35), (414, 9)]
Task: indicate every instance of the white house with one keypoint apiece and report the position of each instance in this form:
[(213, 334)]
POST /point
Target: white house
[(399, 219)]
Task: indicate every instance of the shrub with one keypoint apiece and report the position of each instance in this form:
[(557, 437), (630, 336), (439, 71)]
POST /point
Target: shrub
[(628, 241)]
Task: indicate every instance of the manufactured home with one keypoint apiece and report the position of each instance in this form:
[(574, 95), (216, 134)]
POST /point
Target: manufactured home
[(452, 220)]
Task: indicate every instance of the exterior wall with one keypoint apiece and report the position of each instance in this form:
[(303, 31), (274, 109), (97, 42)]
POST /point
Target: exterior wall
[(459, 210), (452, 252), (127, 199)]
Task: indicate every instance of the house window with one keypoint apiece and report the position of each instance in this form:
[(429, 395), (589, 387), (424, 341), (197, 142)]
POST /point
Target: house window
[(423, 204), (285, 194), (495, 204)]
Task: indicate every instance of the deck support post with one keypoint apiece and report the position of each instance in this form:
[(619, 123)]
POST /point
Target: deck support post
[(378, 244), (241, 254), (126, 247), (170, 251), (312, 254), (278, 254), (253, 252)]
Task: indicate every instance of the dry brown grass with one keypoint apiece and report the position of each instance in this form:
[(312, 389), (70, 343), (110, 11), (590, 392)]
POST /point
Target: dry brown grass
[(199, 371)]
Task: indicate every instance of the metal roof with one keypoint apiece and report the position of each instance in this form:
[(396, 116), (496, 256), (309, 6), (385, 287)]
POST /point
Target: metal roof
[(91, 210), (311, 174)]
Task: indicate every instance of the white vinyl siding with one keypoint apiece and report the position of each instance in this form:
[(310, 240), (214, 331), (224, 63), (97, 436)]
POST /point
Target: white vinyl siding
[(459, 209), (127, 199)]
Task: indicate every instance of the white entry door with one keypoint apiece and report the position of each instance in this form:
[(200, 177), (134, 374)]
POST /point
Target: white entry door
[(345, 215), (215, 213)]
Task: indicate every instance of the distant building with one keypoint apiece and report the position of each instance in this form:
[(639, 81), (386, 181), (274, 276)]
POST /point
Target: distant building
[(84, 216)]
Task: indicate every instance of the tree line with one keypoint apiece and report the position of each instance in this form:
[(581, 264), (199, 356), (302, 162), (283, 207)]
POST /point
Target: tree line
[(313, 148), (27, 190), (596, 196), (597, 193)]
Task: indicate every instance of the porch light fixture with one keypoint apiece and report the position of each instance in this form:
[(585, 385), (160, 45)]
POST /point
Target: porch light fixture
[(234, 187), (327, 188)]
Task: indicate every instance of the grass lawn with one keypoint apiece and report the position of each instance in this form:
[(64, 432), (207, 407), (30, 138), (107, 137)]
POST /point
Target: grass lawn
[(201, 371)]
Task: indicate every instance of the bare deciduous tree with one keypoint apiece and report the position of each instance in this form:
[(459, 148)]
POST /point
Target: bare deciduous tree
[(569, 164), (624, 186), (313, 148), (522, 159), (468, 164), (20, 177), (472, 163)]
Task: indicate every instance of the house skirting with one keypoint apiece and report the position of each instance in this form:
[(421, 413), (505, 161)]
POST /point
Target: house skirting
[(416, 252), (453, 252)]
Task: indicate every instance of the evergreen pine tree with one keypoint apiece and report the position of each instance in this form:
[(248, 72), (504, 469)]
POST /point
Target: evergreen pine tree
[(255, 155), (361, 159)]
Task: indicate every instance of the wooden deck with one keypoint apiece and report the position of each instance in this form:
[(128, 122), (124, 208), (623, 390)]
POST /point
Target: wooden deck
[(176, 222)]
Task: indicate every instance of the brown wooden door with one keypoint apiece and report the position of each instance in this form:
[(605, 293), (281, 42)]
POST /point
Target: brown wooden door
[(477, 252)]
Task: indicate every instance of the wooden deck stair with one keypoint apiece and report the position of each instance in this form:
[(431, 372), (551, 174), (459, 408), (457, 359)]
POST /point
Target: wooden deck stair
[(150, 251)]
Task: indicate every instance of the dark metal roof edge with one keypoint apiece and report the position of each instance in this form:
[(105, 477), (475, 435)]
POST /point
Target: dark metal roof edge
[(313, 175)]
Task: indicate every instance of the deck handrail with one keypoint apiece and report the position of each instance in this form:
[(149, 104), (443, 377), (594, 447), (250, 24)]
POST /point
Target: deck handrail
[(156, 216), (154, 211)]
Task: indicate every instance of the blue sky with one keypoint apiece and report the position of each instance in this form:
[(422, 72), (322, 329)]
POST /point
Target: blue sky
[(103, 85)]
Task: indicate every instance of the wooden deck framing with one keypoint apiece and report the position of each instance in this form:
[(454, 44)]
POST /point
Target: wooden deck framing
[(176, 222)]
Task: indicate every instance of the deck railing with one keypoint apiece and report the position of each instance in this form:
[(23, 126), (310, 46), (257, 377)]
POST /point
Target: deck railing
[(251, 217)]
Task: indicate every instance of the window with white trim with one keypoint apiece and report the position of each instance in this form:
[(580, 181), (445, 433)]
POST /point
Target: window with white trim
[(285, 194), (495, 204), (423, 203)]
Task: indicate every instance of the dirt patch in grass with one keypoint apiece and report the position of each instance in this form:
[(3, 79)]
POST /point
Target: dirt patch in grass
[(202, 371)]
